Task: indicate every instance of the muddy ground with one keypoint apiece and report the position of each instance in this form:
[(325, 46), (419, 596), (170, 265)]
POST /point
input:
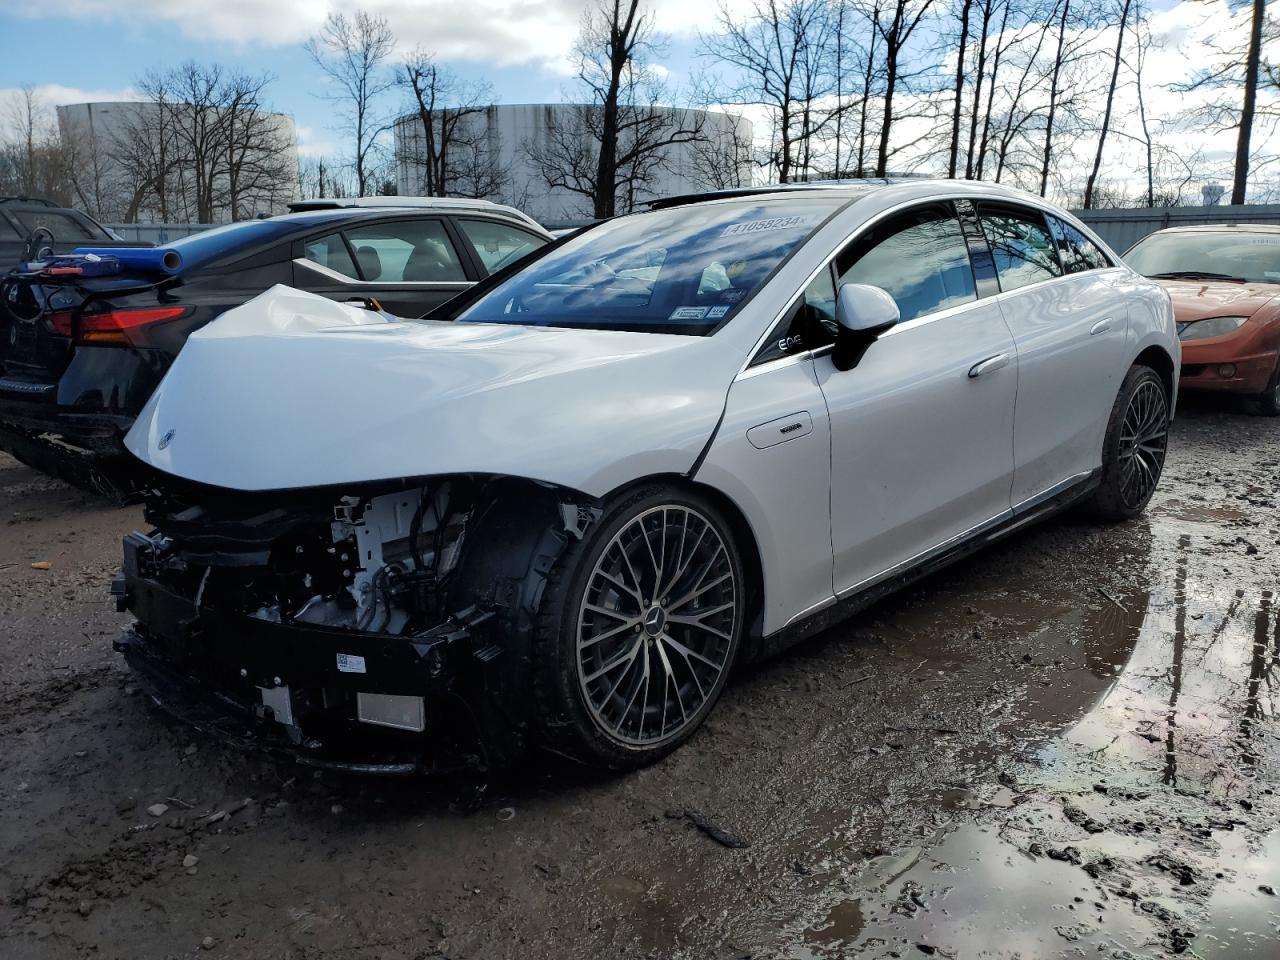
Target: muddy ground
[(1064, 747)]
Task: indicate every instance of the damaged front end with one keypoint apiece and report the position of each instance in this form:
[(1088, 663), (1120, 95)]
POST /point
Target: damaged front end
[(378, 629)]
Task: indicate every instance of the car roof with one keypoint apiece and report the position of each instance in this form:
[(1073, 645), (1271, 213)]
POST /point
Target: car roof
[(411, 203), (1211, 227), (850, 189)]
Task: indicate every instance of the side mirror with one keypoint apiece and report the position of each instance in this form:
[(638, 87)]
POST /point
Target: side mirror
[(863, 313)]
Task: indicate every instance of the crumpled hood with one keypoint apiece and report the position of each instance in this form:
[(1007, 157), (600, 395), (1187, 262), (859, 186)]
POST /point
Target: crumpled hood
[(293, 390), (1198, 299)]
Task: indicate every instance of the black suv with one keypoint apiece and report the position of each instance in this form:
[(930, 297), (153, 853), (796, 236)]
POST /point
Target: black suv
[(80, 356), (29, 225)]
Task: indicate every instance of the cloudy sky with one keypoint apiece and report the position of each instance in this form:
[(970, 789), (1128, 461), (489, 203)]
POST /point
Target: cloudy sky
[(95, 49)]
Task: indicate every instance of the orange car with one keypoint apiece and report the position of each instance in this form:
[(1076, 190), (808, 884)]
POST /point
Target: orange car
[(1225, 286)]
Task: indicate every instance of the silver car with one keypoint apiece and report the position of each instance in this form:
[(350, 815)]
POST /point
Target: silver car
[(557, 512)]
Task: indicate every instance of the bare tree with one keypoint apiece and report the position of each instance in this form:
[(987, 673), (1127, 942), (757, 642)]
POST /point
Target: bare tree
[(1110, 101), (446, 110), (1248, 107), (352, 52), (201, 146), (1055, 80), (1013, 118), (143, 150), (24, 121), (1141, 45), (965, 7), (723, 160), (258, 177), (896, 31), (782, 56), (475, 165), (35, 159), (319, 178), (608, 150)]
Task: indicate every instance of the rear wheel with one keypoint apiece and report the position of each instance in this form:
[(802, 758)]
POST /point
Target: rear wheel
[(639, 628), (1133, 451)]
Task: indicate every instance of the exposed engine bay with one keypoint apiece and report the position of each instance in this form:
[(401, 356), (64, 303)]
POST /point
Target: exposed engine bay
[(322, 613)]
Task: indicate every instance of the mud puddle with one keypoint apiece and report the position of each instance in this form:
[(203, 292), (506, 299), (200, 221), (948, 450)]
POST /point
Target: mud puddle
[(1105, 791)]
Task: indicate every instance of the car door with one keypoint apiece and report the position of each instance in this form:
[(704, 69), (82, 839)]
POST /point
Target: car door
[(772, 455), (922, 427), (410, 266), (1069, 328)]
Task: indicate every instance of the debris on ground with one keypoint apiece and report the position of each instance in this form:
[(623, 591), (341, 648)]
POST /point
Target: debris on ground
[(712, 830)]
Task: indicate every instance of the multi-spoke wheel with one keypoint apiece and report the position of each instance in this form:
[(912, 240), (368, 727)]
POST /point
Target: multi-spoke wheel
[(1144, 437), (647, 613), (1134, 449)]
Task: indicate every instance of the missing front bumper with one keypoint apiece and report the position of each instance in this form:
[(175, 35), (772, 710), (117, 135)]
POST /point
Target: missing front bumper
[(340, 699)]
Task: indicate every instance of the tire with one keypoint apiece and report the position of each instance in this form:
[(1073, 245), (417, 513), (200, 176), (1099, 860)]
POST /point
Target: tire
[(621, 678), (1133, 451), (1269, 399)]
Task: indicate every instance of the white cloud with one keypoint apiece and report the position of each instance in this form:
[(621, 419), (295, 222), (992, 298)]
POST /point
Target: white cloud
[(56, 94), (500, 32), (316, 143), (494, 31)]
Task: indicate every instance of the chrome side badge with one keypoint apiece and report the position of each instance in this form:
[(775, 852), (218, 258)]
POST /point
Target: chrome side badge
[(166, 439)]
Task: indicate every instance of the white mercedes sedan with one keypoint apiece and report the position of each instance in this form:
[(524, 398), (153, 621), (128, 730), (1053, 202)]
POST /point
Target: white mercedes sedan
[(554, 513)]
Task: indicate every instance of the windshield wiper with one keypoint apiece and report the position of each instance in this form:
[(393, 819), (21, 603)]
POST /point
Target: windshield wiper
[(1195, 275)]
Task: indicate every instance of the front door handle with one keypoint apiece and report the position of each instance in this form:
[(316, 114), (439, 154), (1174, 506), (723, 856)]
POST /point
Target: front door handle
[(1102, 326), (988, 365)]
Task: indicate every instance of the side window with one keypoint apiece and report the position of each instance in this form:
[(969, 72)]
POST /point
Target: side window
[(406, 251), (1077, 251), (919, 257), (331, 252), (1020, 245), (809, 324), (499, 244)]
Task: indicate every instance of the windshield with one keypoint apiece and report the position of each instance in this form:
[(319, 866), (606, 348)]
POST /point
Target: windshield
[(683, 270), (1230, 254)]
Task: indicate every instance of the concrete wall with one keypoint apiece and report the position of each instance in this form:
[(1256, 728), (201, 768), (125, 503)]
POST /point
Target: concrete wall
[(509, 131), (1121, 229)]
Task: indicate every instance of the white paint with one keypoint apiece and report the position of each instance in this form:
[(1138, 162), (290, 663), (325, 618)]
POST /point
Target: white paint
[(907, 451)]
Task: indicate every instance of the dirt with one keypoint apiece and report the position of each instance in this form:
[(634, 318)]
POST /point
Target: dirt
[(1066, 746)]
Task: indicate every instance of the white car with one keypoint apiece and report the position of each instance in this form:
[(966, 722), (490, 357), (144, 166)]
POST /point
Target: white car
[(557, 511)]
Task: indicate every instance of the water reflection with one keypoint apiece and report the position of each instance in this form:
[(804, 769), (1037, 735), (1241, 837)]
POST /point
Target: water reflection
[(1200, 682), (1137, 831)]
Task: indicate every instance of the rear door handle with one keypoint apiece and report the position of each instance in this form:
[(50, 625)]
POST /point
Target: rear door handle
[(1102, 326), (988, 365)]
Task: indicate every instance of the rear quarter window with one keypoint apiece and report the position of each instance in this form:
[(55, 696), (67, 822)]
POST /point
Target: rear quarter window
[(1078, 252), (1021, 245)]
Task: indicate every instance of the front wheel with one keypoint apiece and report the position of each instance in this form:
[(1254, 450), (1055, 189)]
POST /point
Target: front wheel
[(639, 627), (1134, 448)]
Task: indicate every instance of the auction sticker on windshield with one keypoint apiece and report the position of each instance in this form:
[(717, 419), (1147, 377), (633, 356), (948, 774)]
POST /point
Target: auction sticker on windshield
[(759, 226), (688, 313)]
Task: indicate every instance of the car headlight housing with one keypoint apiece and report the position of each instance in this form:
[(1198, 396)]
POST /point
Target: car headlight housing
[(1209, 327)]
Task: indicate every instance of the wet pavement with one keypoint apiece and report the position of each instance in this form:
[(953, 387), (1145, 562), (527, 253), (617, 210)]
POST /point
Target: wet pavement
[(1065, 746)]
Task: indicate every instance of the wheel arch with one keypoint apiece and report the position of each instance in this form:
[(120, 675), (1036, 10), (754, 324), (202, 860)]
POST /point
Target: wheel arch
[(1158, 359), (744, 535)]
